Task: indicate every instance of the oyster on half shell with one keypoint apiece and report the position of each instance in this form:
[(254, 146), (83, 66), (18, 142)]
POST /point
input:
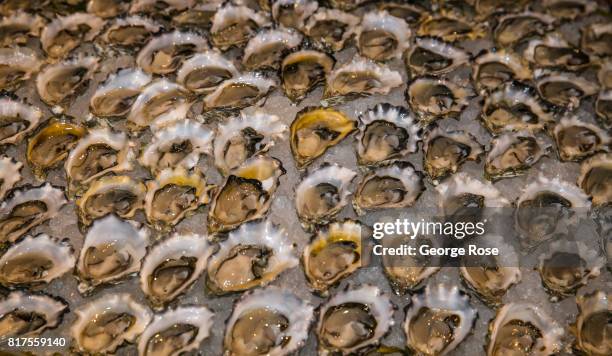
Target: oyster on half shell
[(205, 71), (381, 36), (595, 178), (17, 120), (593, 324), (17, 65), (235, 25), (433, 98), (164, 54), (576, 139), (64, 34), (331, 28), (58, 84), (117, 95), (359, 77), (564, 89), (431, 55), (24, 315), (495, 67), (10, 174), (302, 71), (130, 32), (266, 49), (512, 153), (240, 92)]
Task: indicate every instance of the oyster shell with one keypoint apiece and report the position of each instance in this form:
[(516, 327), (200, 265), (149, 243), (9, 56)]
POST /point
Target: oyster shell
[(160, 6), (359, 77), (177, 145), (243, 137), (461, 193), (112, 250), (239, 92), (117, 95), (265, 50), (515, 107), (132, 32), (58, 84), (333, 254), (354, 319), (173, 265), (386, 133), (205, 71), (515, 28), (26, 208), (433, 98), (160, 103), (381, 36), (253, 255), (523, 328), (17, 65), (398, 185), (592, 324), (493, 68), (576, 139), (554, 51), (569, 9), (444, 152), (564, 89), (104, 324), (439, 318), (596, 39), (512, 153), (23, 315), (322, 194), (10, 174), (52, 143), (99, 152), (490, 277), (35, 260), (120, 195), (450, 28), (331, 28), (174, 194), (568, 265), (267, 321), (107, 8), (176, 331), (430, 55), (234, 25), (17, 28), (164, 53), (314, 130), (603, 106), (293, 13), (595, 178), (302, 71), (246, 194), (64, 34), (545, 208), (17, 119)]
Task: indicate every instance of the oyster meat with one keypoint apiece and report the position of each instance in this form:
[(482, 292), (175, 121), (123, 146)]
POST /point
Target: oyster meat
[(554, 51), (64, 34), (512, 153), (205, 71), (576, 139), (331, 28), (450, 28), (58, 84), (19, 27), (17, 65), (24, 315), (117, 95), (164, 54), (594, 179), (302, 71), (493, 68), (381, 36), (235, 25), (107, 8), (430, 55), (240, 92), (515, 28), (433, 98), (266, 49), (360, 77), (564, 89), (293, 13), (593, 324), (130, 32)]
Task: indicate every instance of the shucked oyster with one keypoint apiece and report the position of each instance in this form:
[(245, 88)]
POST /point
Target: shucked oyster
[(244, 136), (265, 50), (205, 71), (239, 92), (386, 133), (174, 194), (234, 25), (514, 28), (26, 208), (112, 250), (58, 83), (569, 9), (177, 145), (577, 139), (515, 107), (52, 143), (293, 13), (353, 320), (107, 8), (594, 179), (603, 106), (164, 54), (198, 16), (321, 195), (131, 32), (160, 6), (116, 96), (268, 321), (253, 255), (445, 151), (461, 194), (24, 315), (398, 185), (564, 89), (409, 12), (524, 329), (10, 174), (493, 68), (334, 253), (381, 36), (17, 119), (35, 260), (512, 153), (359, 77), (433, 98), (331, 28), (246, 194), (439, 318), (554, 51), (596, 39), (17, 65), (104, 324), (592, 327), (302, 71), (120, 195), (314, 130), (430, 55), (18, 28), (173, 265), (176, 331), (64, 34), (450, 28)]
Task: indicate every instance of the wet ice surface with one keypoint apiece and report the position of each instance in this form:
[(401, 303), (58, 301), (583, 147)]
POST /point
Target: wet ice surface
[(283, 213)]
